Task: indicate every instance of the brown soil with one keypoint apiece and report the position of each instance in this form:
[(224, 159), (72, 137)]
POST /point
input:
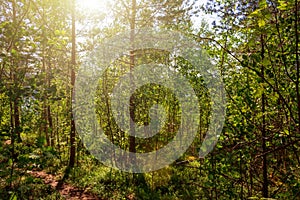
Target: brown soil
[(67, 191)]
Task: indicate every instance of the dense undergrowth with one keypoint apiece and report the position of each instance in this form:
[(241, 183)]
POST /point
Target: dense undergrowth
[(190, 179)]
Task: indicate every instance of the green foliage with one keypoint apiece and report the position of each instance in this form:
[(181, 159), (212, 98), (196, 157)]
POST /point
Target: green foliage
[(255, 45), (254, 52)]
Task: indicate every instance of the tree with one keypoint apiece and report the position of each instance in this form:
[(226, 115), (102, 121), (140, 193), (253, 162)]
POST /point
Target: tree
[(73, 64), (137, 15), (257, 63)]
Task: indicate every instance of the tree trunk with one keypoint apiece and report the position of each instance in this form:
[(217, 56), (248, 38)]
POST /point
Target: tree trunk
[(264, 135), (132, 63), (73, 63), (17, 132), (297, 62), (50, 122), (45, 96)]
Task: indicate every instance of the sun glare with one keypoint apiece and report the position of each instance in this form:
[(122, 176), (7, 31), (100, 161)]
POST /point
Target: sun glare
[(91, 5)]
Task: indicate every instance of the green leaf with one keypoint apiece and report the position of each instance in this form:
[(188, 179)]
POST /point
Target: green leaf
[(257, 12), (57, 32), (261, 22), (266, 62), (13, 51), (13, 196), (263, 4), (286, 132), (282, 5)]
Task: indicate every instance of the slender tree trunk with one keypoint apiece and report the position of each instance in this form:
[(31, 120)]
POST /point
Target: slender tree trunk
[(108, 113), (73, 63), (264, 134), (17, 132), (44, 123), (16, 113), (12, 129), (72, 154), (132, 63), (45, 96), (251, 181), (297, 62), (241, 177), (50, 122), (57, 131), (44, 114), (13, 109)]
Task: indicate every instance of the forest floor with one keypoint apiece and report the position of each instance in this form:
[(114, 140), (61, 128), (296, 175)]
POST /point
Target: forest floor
[(68, 191)]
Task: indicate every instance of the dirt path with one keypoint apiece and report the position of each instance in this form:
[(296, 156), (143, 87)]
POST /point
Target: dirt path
[(67, 191)]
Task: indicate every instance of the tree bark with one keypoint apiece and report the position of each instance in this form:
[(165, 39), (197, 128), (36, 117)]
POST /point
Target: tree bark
[(297, 62), (132, 63), (264, 134), (73, 63)]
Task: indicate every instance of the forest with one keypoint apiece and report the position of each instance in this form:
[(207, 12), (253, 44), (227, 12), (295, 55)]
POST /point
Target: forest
[(149, 99)]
